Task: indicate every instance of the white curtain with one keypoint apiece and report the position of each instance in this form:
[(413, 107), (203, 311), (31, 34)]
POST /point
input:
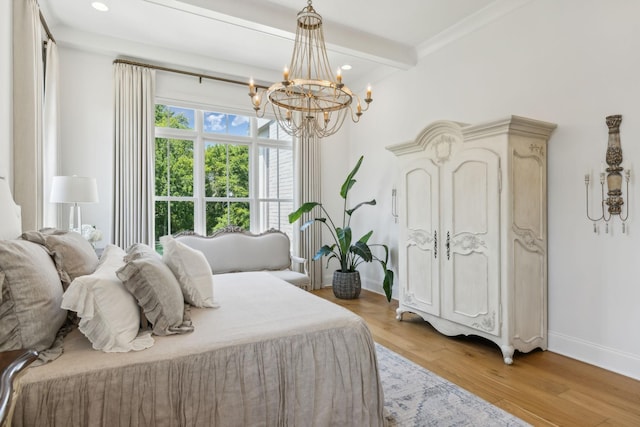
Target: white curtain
[(134, 155), (308, 181), (28, 80), (50, 135)]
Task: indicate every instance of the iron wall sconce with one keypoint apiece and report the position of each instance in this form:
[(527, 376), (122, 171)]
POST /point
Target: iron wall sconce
[(614, 175)]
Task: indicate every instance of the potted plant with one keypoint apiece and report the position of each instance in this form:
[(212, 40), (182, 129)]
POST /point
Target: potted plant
[(348, 252)]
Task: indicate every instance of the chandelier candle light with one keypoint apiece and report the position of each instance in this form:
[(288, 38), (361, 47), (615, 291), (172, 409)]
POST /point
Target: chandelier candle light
[(614, 171), (310, 100)]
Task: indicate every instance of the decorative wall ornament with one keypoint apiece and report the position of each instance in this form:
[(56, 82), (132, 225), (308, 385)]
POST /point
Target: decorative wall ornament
[(614, 176)]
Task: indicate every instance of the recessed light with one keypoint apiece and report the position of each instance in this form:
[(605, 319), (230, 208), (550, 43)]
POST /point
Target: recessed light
[(100, 6), (346, 67)]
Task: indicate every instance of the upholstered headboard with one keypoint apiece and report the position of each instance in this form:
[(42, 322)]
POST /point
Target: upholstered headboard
[(10, 218)]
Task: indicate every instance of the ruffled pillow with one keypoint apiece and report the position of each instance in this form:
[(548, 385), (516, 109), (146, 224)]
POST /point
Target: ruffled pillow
[(109, 314), (140, 250), (30, 313), (192, 270), (158, 292), (73, 254)]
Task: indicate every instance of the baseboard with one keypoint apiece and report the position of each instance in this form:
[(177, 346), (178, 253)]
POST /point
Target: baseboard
[(595, 354)]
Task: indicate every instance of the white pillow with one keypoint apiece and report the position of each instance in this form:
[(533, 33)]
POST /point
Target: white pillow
[(109, 314), (192, 270)]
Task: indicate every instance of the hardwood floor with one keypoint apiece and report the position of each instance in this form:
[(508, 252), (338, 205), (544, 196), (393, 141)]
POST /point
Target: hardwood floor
[(541, 387)]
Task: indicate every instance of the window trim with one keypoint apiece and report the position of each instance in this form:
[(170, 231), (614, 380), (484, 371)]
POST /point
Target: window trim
[(200, 138)]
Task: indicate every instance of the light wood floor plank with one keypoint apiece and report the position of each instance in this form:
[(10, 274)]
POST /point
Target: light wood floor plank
[(541, 387)]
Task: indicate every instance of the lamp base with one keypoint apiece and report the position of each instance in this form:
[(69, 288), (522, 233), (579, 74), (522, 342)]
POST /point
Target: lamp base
[(75, 218)]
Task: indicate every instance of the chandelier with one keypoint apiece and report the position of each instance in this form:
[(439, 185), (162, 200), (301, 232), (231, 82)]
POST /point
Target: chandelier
[(309, 100)]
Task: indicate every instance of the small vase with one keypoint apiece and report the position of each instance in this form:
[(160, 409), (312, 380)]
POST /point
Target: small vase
[(346, 285)]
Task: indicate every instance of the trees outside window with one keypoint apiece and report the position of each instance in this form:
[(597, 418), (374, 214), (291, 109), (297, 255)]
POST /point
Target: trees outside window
[(213, 169)]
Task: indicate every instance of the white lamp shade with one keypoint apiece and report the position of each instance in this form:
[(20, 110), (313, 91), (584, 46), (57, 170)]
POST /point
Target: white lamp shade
[(74, 189)]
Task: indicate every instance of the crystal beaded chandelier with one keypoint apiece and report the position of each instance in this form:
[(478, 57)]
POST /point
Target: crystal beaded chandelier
[(309, 100)]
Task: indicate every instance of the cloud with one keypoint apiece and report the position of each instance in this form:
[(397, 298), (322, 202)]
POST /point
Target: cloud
[(215, 122), (239, 120)]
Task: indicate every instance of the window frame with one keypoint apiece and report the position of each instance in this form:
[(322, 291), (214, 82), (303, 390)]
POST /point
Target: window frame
[(200, 138)]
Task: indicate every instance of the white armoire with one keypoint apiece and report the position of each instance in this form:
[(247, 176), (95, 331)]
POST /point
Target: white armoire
[(472, 203)]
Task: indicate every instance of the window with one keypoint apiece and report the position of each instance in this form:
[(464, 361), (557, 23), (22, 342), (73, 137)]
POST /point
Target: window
[(216, 168)]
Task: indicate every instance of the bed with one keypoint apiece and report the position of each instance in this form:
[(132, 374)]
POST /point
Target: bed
[(271, 354)]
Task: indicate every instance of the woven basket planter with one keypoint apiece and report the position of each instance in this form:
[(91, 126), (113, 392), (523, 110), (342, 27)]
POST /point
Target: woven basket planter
[(346, 285)]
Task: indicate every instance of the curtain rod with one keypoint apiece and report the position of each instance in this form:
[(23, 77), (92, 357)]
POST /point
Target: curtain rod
[(188, 73), (46, 27)]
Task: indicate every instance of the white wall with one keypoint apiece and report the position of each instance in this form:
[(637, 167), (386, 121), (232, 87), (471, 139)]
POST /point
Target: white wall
[(86, 129), (6, 88), (572, 63)]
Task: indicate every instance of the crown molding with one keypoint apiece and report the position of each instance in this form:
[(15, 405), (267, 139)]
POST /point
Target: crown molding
[(473, 22)]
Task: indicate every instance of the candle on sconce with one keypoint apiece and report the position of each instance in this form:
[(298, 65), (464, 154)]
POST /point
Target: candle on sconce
[(359, 108), (285, 74), (339, 76), (252, 87), (256, 100), (368, 92)]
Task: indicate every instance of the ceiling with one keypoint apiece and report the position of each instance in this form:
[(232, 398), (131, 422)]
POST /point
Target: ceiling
[(253, 38)]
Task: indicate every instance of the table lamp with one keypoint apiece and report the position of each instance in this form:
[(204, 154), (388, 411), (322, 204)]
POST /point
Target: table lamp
[(74, 189)]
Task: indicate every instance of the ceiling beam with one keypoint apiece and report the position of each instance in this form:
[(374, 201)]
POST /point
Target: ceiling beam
[(279, 21)]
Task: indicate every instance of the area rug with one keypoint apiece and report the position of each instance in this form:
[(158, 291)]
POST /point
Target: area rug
[(417, 397)]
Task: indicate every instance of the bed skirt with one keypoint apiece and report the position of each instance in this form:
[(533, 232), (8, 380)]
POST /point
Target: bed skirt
[(253, 371)]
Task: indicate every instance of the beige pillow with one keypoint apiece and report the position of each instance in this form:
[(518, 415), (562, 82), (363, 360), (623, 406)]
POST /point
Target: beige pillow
[(192, 270), (109, 314), (158, 293), (73, 254), (140, 250), (30, 313)]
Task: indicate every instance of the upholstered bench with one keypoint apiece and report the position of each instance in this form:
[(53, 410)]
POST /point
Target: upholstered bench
[(233, 249)]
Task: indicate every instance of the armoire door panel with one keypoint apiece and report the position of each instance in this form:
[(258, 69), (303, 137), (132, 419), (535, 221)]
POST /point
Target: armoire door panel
[(529, 276), (419, 232), (470, 190), (528, 191), (471, 271), (421, 290), (419, 187), (475, 294)]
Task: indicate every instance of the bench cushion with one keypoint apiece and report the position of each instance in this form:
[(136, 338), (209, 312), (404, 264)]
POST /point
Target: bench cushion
[(236, 251)]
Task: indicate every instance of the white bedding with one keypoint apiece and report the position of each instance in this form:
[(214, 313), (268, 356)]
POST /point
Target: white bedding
[(271, 355)]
